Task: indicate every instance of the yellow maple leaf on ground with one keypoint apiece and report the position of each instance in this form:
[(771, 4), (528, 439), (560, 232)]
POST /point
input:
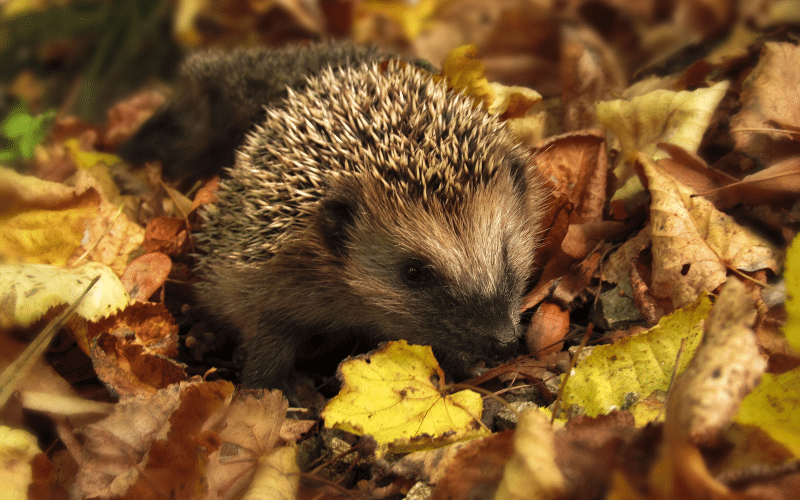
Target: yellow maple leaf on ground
[(636, 365), (389, 394)]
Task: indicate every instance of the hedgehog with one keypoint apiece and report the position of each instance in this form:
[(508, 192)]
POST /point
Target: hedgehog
[(220, 95), (378, 204)]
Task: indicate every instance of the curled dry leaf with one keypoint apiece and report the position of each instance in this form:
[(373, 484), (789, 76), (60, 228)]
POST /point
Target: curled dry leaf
[(151, 443), (475, 470), (724, 369), (249, 428), (577, 164), (166, 235), (17, 451), (548, 327)]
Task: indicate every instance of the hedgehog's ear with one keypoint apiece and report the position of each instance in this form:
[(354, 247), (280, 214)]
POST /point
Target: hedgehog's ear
[(338, 215)]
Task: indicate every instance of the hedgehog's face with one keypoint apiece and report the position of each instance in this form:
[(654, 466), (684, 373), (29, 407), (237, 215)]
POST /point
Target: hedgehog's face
[(446, 275)]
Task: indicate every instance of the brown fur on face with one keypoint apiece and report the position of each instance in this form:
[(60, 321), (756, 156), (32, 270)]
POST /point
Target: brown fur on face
[(379, 204)]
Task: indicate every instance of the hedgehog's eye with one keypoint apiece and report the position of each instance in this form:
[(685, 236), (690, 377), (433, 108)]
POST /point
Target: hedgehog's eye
[(416, 273)]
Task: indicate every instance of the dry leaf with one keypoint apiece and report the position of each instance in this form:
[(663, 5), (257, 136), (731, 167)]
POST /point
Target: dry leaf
[(770, 94), (680, 118), (694, 243), (547, 330), (532, 472), (725, 368), (146, 274), (476, 470), (576, 163), (150, 444), (17, 451), (29, 291)]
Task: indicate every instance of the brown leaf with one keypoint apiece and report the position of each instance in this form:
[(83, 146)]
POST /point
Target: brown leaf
[(770, 94), (146, 274), (725, 368), (577, 165), (476, 469), (693, 243), (166, 235)]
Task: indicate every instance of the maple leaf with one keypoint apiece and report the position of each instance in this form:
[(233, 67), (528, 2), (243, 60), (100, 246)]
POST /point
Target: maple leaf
[(390, 395)]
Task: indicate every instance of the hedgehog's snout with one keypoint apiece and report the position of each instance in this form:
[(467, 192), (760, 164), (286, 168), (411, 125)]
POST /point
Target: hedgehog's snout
[(504, 345)]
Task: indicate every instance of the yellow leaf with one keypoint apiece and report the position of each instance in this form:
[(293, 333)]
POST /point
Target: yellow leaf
[(47, 236), (465, 73), (413, 17), (532, 471), (792, 277), (694, 243), (27, 292), (680, 118), (276, 476), (772, 406), (640, 364), (17, 449), (389, 395), (88, 159)]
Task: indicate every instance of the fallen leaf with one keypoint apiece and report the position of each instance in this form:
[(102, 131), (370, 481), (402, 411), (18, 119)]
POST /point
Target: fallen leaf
[(252, 456), (390, 395), (792, 276), (725, 367), (772, 407), (17, 451), (146, 274), (166, 235), (150, 444), (634, 367), (29, 291), (476, 469), (277, 476), (680, 118), (693, 243), (547, 329), (771, 93), (577, 164), (532, 472), (47, 235), (465, 73)]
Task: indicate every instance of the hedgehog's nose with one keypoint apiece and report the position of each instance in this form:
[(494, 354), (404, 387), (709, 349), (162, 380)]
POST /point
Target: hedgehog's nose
[(504, 346)]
